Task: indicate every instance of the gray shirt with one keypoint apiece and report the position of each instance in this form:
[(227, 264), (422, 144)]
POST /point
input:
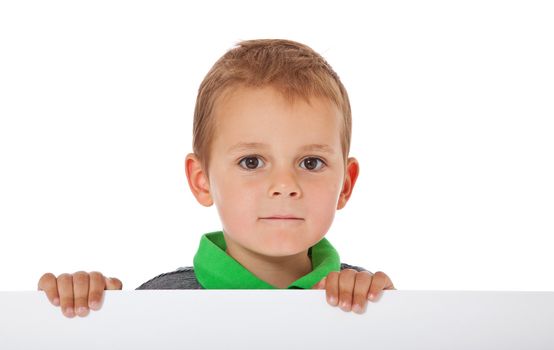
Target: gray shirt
[(184, 278)]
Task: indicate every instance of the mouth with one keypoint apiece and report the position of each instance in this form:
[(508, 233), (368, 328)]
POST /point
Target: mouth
[(281, 217), (281, 221)]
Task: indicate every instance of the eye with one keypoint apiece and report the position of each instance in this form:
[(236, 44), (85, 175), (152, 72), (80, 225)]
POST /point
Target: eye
[(250, 162), (311, 163)]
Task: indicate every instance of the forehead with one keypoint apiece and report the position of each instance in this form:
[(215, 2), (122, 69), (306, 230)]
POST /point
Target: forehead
[(247, 114)]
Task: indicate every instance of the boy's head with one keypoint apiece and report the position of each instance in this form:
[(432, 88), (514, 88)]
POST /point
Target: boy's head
[(293, 69), (271, 139)]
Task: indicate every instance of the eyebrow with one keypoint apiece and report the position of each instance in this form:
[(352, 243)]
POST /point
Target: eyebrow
[(242, 146)]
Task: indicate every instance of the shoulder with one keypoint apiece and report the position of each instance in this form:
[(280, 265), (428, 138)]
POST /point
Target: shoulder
[(344, 266), (182, 278)]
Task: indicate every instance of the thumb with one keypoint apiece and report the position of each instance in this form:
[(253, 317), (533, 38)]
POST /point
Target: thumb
[(320, 284), (113, 283)]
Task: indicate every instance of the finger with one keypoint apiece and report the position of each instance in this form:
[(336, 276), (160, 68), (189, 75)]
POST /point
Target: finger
[(80, 292), (113, 283), (96, 290), (379, 282), (65, 289), (361, 289), (332, 288), (49, 285), (320, 284), (347, 279)]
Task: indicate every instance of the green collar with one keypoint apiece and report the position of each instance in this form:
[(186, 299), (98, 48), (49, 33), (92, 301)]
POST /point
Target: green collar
[(215, 269)]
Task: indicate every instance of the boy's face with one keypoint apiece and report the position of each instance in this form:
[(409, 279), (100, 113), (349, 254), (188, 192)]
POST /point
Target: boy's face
[(276, 192)]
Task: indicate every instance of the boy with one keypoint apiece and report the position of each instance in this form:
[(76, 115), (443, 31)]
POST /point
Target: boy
[(272, 128)]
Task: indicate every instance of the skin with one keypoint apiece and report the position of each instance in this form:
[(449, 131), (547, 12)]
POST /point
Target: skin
[(276, 197), (77, 293)]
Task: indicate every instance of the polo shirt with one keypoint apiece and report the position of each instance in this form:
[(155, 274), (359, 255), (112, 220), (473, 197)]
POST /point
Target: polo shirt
[(215, 269)]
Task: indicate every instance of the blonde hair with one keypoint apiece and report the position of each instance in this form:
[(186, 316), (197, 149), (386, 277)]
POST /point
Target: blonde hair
[(294, 69)]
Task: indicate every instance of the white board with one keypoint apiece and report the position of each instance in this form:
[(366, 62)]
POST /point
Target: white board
[(282, 319)]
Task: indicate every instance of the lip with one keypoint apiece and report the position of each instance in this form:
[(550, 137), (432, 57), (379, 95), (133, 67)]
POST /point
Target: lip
[(281, 217)]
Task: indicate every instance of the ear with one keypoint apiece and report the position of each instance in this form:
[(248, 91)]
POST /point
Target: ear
[(352, 170), (198, 181)]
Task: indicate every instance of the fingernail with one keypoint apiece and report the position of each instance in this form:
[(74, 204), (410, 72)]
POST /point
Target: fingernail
[(356, 308), (69, 312), (56, 301), (333, 301), (371, 296), (82, 310), (93, 305)]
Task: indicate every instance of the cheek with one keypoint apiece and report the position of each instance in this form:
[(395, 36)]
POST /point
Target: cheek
[(236, 202), (322, 203)]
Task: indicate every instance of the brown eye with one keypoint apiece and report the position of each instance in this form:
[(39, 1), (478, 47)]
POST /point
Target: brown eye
[(250, 162), (312, 163)]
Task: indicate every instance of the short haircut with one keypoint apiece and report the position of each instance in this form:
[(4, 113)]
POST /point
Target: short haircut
[(294, 69)]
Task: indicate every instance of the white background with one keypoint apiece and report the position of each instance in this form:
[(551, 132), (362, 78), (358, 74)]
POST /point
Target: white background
[(453, 112)]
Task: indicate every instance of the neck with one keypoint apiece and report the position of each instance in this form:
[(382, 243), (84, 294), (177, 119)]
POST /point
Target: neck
[(280, 271)]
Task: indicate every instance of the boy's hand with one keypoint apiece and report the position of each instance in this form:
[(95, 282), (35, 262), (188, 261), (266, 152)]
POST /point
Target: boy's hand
[(351, 289), (77, 292)]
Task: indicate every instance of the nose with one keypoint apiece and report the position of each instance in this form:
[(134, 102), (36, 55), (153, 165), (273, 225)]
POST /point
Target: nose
[(284, 183)]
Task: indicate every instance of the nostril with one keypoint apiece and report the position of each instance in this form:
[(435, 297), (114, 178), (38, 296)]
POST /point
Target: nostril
[(292, 194)]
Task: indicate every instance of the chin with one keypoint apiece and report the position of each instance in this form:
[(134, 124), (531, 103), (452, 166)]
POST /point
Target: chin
[(284, 247)]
